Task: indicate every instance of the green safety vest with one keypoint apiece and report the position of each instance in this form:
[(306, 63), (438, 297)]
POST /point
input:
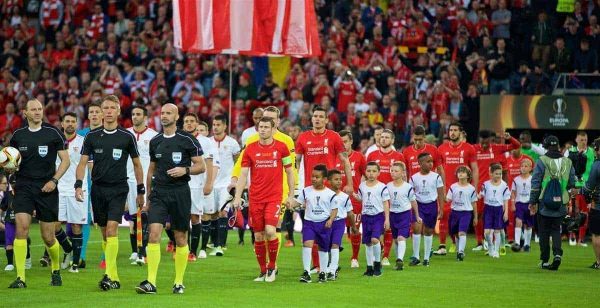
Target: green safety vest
[(565, 6), (591, 156)]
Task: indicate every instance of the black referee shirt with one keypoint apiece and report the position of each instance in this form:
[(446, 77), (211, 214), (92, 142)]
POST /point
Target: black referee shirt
[(170, 152), (38, 151), (110, 150)]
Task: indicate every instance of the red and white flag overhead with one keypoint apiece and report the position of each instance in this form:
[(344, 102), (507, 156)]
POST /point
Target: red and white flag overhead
[(248, 27)]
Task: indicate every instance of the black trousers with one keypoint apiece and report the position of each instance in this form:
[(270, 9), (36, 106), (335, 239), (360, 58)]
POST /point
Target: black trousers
[(549, 227)]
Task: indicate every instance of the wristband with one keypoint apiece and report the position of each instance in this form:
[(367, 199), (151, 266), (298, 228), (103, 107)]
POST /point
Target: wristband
[(78, 184), (54, 180), (141, 190)]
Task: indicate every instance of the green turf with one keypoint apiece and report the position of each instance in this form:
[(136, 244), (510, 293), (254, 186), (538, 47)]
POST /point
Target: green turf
[(513, 280)]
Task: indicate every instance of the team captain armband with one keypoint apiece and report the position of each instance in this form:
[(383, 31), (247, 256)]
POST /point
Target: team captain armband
[(287, 160)]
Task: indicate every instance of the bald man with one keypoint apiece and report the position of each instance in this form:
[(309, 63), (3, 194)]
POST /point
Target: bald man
[(175, 155)]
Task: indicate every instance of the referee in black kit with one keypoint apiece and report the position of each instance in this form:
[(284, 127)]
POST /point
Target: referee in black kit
[(35, 188), (174, 156), (110, 146), (591, 192)]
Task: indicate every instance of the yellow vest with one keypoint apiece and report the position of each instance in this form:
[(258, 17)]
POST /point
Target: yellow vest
[(565, 6), (279, 136)]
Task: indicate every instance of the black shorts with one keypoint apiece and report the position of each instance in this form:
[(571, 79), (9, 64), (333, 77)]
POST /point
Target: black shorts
[(29, 197), (594, 221), (172, 204), (108, 202)]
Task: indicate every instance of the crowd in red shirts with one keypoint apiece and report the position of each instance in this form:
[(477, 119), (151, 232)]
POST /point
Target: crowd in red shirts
[(394, 63)]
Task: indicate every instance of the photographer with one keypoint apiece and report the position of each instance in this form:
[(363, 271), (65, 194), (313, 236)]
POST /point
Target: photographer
[(553, 178), (591, 192), (582, 157)]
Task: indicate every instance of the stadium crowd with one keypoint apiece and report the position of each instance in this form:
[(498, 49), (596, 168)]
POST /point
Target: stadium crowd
[(411, 63)]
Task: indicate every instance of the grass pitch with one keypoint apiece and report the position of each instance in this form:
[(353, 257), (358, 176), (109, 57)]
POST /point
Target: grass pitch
[(513, 280)]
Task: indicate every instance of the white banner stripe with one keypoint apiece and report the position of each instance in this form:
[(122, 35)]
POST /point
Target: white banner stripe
[(277, 43), (241, 21), (206, 11), (176, 25), (296, 40)]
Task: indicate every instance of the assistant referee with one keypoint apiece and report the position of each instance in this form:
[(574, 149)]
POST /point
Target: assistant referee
[(35, 188), (174, 156), (110, 147)]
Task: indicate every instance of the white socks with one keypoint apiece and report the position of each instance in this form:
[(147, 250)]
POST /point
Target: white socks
[(335, 260), (518, 235), (489, 239), (400, 249), (462, 242), (369, 255), (528, 237), (376, 252), (428, 243), (416, 245), (323, 260), (498, 241), (306, 258)]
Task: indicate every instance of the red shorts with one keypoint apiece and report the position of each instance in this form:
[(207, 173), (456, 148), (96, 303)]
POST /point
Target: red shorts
[(480, 207), (581, 204), (263, 213)]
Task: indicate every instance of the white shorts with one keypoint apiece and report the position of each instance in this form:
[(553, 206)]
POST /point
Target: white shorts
[(131, 198), (72, 211), (197, 195), (206, 203), (221, 197)]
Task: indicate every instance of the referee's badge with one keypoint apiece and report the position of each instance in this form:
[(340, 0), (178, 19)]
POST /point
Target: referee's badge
[(176, 157), (117, 154), (43, 150)]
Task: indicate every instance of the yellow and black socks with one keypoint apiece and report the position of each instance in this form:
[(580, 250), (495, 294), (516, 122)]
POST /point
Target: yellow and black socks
[(153, 260), (181, 261), (20, 251), (111, 252), (54, 253)]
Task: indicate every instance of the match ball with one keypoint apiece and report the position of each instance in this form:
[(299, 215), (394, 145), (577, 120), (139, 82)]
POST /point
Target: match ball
[(515, 247), (10, 158)]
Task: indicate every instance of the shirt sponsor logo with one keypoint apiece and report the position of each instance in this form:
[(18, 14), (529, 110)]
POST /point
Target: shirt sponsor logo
[(43, 150), (22, 148), (158, 155), (176, 156), (117, 154), (98, 151)]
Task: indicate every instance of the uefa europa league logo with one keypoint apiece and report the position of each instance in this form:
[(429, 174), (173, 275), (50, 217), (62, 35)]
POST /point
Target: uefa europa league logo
[(559, 106)]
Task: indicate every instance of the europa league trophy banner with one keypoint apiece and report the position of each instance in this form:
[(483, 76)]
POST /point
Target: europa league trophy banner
[(498, 113)]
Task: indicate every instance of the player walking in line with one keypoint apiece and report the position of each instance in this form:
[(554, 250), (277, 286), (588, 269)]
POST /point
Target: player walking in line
[(229, 150), (35, 189), (110, 147), (265, 160), (69, 209), (455, 153), (143, 134), (174, 156), (429, 190), (201, 189)]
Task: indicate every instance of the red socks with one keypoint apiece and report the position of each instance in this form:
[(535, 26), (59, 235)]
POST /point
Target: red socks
[(273, 249), (355, 241), (315, 255), (261, 255), (388, 239)]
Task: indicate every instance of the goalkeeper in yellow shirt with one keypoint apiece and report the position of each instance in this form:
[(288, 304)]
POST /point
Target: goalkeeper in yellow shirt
[(274, 113)]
